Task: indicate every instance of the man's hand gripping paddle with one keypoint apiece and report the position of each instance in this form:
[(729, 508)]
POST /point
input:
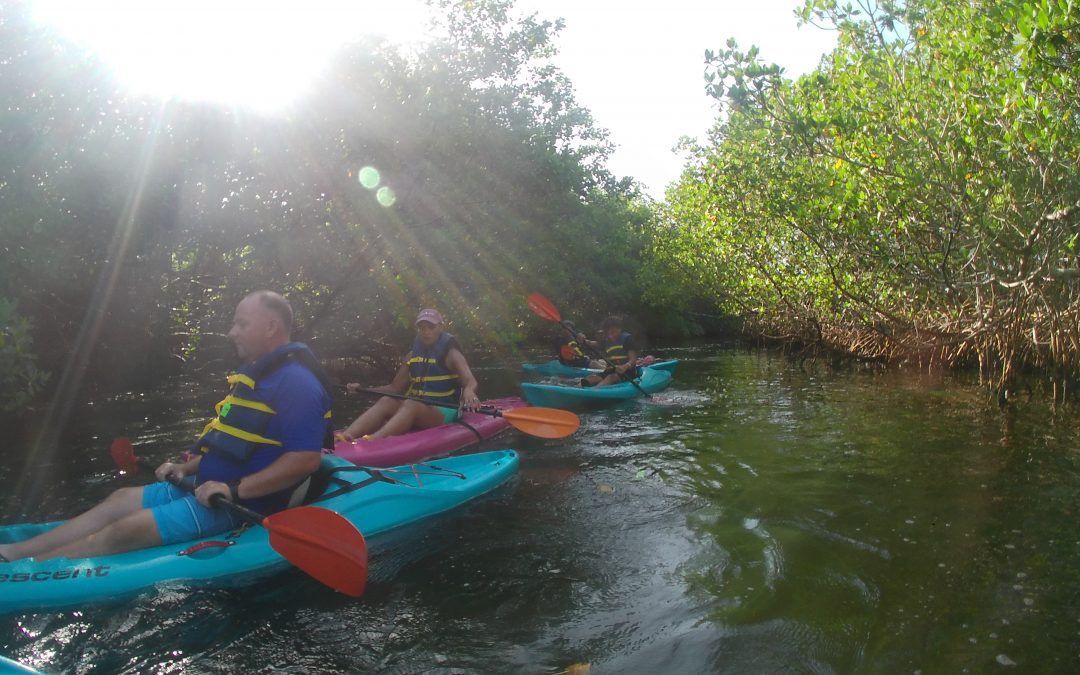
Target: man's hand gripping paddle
[(319, 541)]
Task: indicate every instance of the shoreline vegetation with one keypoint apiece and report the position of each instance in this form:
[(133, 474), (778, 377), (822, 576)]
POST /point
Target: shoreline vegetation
[(916, 199)]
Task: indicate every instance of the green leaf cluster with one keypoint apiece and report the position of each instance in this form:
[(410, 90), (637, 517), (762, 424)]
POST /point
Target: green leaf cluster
[(916, 197), (20, 378)]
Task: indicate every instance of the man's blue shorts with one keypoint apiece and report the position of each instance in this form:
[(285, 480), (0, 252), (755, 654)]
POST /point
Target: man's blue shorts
[(180, 517)]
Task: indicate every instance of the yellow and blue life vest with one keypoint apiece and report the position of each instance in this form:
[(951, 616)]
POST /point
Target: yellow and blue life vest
[(429, 378), (616, 352), (242, 416)]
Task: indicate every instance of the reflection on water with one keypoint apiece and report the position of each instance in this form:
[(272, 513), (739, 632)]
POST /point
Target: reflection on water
[(755, 518)]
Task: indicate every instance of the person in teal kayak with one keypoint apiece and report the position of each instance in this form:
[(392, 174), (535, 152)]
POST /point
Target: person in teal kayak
[(569, 350), (620, 353), (259, 450), (435, 370)]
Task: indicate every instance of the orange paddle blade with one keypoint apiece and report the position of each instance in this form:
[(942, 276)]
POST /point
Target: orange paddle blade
[(123, 453), (543, 422), (324, 544), (543, 307)]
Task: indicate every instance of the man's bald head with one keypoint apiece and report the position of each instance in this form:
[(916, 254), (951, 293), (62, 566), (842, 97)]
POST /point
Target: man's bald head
[(261, 324)]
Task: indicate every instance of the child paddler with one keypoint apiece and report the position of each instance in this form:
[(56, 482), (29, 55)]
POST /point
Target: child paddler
[(619, 351)]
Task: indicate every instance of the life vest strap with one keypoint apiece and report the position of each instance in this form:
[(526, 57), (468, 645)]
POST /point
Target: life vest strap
[(244, 403), (233, 378), (433, 378), (240, 433)]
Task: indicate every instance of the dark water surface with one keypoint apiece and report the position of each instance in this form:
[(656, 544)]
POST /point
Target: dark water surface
[(755, 518)]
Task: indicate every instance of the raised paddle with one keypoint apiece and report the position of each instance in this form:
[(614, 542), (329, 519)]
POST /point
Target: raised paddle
[(542, 422), (543, 308), (319, 541)]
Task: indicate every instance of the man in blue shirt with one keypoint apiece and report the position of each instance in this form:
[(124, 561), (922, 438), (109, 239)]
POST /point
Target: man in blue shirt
[(264, 443)]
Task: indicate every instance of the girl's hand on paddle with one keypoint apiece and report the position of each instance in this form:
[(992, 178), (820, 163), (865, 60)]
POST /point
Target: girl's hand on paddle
[(353, 388), (469, 399), (167, 469)]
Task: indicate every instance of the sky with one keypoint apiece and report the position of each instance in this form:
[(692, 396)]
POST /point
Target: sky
[(638, 67)]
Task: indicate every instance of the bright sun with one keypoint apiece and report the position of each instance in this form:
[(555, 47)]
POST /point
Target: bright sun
[(256, 53)]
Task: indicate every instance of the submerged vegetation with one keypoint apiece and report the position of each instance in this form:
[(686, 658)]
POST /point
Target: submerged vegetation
[(915, 198)]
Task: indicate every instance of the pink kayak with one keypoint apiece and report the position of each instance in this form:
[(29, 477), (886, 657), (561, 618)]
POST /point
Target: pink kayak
[(438, 441)]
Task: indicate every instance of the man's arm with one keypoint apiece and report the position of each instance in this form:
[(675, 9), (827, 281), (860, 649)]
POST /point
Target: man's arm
[(284, 472)]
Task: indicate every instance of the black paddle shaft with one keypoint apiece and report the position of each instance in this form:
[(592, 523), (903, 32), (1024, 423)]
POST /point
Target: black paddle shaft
[(482, 409)]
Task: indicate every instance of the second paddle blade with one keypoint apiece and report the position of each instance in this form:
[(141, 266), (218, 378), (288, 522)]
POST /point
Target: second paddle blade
[(543, 307), (123, 453), (543, 422), (324, 544)]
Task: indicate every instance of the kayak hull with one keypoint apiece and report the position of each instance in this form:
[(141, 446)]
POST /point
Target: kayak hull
[(234, 559), (438, 441), (554, 368), (10, 667), (567, 397)]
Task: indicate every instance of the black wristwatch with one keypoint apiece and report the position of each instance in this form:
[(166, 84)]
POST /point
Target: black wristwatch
[(234, 490)]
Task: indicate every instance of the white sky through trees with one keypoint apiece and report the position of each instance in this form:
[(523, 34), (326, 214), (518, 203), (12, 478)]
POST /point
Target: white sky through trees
[(638, 66)]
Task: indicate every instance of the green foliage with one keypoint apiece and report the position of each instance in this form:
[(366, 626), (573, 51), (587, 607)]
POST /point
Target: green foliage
[(917, 196), (20, 378), (131, 228)]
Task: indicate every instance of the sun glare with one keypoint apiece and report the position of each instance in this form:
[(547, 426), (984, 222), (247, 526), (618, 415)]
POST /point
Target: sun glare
[(256, 53)]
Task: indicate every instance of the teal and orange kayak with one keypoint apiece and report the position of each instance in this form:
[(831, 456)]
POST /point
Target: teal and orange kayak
[(9, 667), (571, 397), (395, 497), (554, 368)]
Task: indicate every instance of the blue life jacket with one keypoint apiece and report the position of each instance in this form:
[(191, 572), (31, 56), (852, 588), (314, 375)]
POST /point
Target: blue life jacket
[(616, 352), (242, 416), (429, 378)]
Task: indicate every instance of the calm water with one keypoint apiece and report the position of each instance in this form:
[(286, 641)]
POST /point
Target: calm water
[(755, 518)]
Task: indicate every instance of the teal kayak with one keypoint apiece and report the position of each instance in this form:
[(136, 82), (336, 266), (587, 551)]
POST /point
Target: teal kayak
[(8, 666), (561, 396), (374, 500), (554, 368)]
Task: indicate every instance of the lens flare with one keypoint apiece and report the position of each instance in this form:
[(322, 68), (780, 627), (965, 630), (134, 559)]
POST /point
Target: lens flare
[(385, 196), (369, 177)]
